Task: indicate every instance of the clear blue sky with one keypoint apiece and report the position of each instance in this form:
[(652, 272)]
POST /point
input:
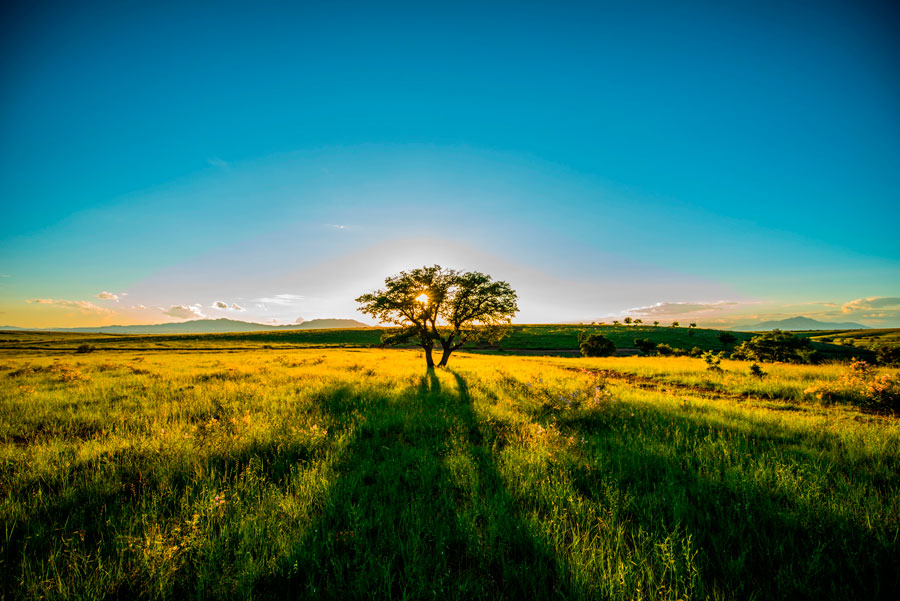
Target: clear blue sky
[(717, 160)]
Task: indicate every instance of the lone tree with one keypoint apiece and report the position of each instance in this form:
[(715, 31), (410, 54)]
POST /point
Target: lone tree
[(437, 306)]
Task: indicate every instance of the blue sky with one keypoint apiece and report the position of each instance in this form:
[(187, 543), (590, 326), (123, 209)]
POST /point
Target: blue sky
[(717, 162)]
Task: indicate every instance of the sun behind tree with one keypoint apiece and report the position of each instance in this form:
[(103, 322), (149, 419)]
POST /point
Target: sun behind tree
[(438, 306)]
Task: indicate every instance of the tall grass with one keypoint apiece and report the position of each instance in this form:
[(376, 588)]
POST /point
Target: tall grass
[(343, 474)]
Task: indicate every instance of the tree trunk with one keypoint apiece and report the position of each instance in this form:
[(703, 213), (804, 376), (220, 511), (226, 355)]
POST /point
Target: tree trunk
[(429, 361), (445, 357)]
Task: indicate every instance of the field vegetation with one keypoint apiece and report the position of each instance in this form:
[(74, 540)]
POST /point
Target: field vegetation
[(329, 473), (518, 339)]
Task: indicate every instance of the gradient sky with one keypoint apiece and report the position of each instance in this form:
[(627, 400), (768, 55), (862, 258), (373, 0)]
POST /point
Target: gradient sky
[(721, 162)]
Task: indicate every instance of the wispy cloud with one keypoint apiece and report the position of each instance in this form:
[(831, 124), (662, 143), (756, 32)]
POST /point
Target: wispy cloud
[(184, 311), (679, 308), (281, 299), (217, 162), (336, 226), (108, 296), (82, 306)]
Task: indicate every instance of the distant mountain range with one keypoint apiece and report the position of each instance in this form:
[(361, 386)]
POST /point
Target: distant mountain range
[(205, 326), (799, 323)]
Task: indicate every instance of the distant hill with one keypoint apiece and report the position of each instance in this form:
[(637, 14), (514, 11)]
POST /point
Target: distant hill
[(799, 323), (206, 326)]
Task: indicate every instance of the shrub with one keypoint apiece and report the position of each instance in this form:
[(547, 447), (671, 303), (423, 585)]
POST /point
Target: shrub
[(861, 385), (756, 370), (713, 360), (727, 338), (84, 348), (596, 345), (887, 355), (696, 352), (644, 345), (664, 350)]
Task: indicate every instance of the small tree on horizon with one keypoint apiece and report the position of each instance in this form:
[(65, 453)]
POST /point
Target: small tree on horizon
[(638, 322), (438, 306), (627, 321), (655, 323), (674, 324)]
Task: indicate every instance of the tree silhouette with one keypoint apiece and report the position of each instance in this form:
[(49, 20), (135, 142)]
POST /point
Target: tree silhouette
[(674, 324), (434, 305), (627, 321)]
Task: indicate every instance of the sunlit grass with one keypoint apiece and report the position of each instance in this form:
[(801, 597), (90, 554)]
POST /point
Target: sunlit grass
[(341, 474)]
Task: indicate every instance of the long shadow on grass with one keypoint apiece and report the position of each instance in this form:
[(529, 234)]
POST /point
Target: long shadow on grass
[(754, 538), (419, 511)]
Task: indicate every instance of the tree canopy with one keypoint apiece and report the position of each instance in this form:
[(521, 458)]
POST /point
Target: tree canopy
[(775, 346), (439, 306)]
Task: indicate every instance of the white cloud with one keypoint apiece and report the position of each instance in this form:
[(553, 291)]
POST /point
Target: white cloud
[(680, 308), (870, 303), (184, 311), (217, 162), (281, 299), (108, 296), (82, 306), (336, 226), (226, 307), (299, 320), (142, 307)]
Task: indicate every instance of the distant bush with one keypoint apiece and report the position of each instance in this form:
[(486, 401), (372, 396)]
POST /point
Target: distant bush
[(776, 346), (85, 348), (861, 385), (664, 350), (596, 345), (727, 338), (887, 355), (644, 345), (756, 370), (696, 352)]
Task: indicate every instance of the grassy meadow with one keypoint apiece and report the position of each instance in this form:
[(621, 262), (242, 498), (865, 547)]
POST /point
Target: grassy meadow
[(559, 340), (311, 473)]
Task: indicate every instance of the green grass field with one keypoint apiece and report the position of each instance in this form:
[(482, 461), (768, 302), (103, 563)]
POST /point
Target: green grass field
[(350, 473), (520, 339)]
